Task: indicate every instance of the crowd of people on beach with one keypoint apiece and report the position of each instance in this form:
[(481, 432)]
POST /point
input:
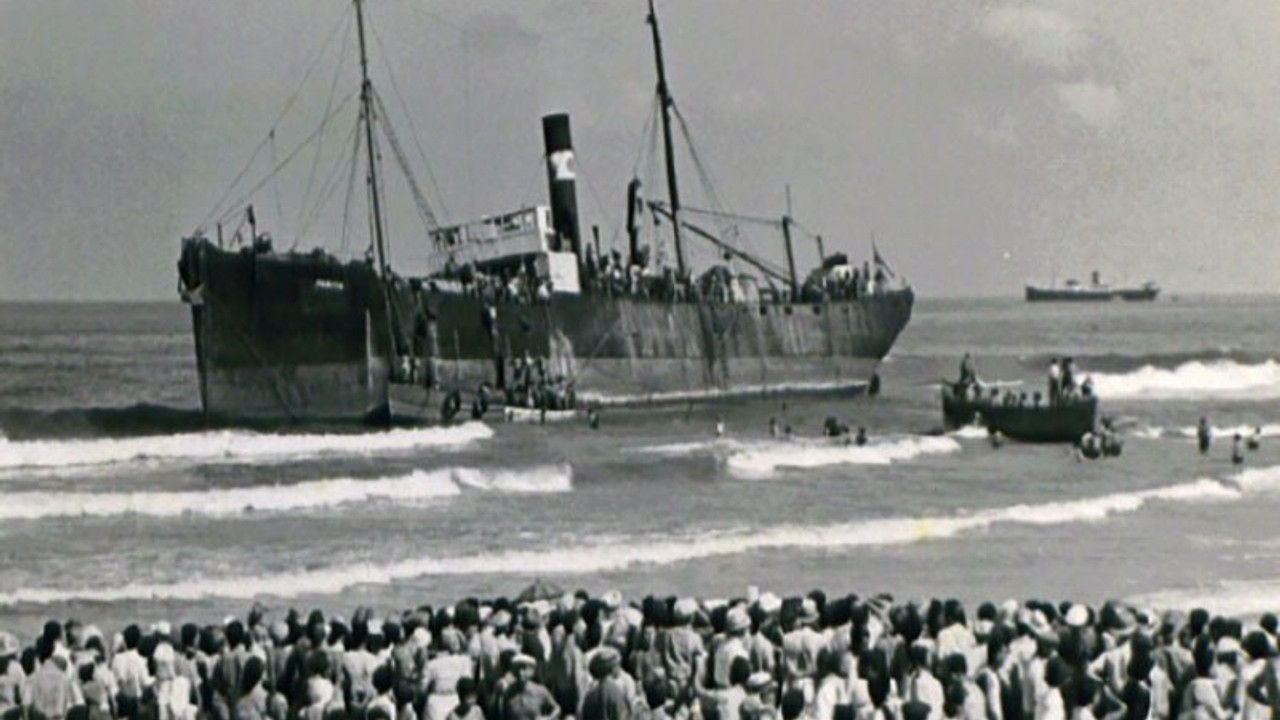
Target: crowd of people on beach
[(758, 657)]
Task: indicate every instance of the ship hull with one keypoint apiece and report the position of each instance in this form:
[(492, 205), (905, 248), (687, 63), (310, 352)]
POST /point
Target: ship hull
[(268, 351), (1139, 294), (1038, 294), (1063, 423)]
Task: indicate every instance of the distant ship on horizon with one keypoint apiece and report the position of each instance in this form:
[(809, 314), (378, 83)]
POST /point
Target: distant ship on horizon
[(1095, 291)]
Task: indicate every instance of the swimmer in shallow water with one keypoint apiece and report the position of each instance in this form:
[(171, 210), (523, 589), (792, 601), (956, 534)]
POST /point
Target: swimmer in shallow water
[(1204, 435), (862, 437), (1237, 452), (719, 426), (1255, 440), (773, 427)]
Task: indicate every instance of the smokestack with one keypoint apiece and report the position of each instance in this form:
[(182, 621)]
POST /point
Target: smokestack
[(561, 171)]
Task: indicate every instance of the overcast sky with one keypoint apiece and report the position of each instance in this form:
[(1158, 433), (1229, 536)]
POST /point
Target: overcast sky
[(985, 144)]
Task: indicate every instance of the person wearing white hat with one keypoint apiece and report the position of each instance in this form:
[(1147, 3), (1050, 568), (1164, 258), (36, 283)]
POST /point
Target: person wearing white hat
[(172, 691), (761, 702), (736, 625), (526, 699)]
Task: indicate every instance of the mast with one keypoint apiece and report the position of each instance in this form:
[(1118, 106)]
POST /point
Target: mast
[(791, 258), (664, 98), (366, 106)]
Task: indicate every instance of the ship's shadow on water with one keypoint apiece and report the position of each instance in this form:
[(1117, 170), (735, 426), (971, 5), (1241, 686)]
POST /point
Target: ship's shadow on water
[(124, 421), (142, 419)]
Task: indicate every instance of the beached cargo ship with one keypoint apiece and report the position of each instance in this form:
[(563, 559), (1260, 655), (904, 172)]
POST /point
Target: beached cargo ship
[(519, 299)]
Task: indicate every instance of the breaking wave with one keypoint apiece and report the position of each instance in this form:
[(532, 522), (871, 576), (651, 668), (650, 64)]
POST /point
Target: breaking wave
[(685, 449), (623, 553), (1195, 380), (1117, 363), (767, 458), (225, 446), (416, 486)]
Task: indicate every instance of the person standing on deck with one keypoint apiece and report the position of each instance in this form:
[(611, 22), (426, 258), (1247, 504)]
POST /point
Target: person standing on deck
[(1055, 382), (1068, 387), (967, 375)]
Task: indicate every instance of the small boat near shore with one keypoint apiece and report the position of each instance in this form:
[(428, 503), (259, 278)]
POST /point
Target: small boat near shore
[(1064, 422), (515, 414)]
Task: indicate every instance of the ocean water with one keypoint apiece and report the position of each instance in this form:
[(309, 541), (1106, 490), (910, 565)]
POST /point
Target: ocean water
[(118, 505)]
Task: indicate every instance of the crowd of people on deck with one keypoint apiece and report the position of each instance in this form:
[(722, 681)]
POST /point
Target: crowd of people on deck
[(759, 657), (1064, 387), (532, 386), (518, 284), (826, 284), (612, 275)]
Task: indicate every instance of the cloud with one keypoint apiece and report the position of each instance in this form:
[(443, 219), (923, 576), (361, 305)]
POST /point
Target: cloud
[(1097, 105), (1043, 36), (499, 33), (1002, 129)]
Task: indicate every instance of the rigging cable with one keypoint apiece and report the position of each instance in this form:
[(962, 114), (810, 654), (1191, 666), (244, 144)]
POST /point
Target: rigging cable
[(275, 186), (287, 106), (235, 207), (331, 184), (351, 185), (591, 186), (424, 209), (769, 222), (328, 104), (703, 175), (413, 131)]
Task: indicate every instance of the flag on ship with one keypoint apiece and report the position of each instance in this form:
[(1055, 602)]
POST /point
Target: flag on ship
[(879, 261)]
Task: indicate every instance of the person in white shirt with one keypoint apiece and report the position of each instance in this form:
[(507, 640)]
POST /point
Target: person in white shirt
[(921, 685), (132, 676)]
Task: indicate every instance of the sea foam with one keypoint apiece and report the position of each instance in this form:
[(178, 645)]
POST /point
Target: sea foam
[(417, 486), (1194, 380), (225, 447), (766, 458), (623, 553)]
